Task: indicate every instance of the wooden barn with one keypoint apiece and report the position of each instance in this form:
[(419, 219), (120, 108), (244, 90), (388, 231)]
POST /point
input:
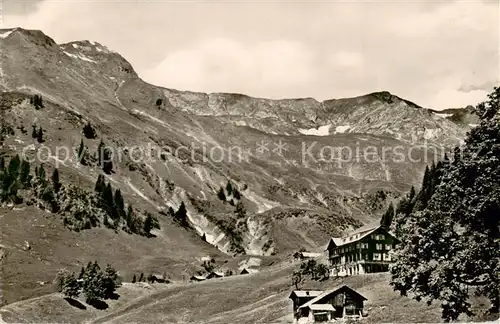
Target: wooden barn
[(300, 297), (338, 303)]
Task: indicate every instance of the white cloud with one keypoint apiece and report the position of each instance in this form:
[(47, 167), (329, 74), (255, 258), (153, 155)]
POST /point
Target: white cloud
[(228, 65)]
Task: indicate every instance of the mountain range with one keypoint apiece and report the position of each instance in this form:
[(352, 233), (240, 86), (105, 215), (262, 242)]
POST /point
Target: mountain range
[(305, 170)]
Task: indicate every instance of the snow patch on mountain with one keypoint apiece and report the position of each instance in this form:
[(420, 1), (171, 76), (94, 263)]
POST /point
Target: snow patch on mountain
[(443, 115), (79, 56), (320, 131)]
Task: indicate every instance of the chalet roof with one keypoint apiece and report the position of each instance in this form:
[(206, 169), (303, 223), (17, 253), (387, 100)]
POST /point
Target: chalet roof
[(329, 292), (367, 227), (216, 274), (306, 293), (325, 307), (357, 235), (198, 278), (249, 270)]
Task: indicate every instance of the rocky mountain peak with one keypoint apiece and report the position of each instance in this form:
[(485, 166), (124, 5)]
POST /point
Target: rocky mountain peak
[(24, 36)]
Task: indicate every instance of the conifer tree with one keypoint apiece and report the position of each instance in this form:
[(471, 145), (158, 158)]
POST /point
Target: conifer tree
[(150, 223), (110, 282), (107, 164), (39, 135), (9, 183), (221, 194), (70, 286), (134, 279), (93, 287), (14, 167), (34, 132), (141, 277), (100, 184), (55, 181), (100, 152), (229, 188), (181, 214), (411, 196), (82, 153), (24, 174), (119, 205), (88, 131), (37, 101), (386, 220), (107, 197), (2, 163), (129, 219), (236, 194)]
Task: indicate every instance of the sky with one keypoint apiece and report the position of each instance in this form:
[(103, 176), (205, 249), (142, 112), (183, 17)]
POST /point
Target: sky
[(438, 54)]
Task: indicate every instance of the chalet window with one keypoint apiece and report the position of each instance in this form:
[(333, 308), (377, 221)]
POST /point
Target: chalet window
[(388, 247), (387, 257), (350, 310), (377, 256), (378, 246), (364, 245), (381, 237)]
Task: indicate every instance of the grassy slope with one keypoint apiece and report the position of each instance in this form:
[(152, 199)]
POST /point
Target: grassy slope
[(256, 298), (174, 250)]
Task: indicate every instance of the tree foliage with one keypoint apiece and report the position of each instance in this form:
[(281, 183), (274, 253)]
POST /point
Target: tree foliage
[(449, 241), (181, 215), (39, 136), (70, 286), (221, 194), (37, 101), (386, 220), (240, 210), (150, 223), (89, 132), (83, 154)]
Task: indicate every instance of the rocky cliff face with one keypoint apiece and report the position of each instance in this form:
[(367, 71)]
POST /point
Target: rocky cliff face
[(283, 154)]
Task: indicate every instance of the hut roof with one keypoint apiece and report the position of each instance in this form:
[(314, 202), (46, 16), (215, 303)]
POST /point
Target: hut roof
[(306, 293), (329, 292)]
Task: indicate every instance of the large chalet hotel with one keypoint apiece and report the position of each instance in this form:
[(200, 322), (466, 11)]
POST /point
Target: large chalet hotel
[(367, 249)]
